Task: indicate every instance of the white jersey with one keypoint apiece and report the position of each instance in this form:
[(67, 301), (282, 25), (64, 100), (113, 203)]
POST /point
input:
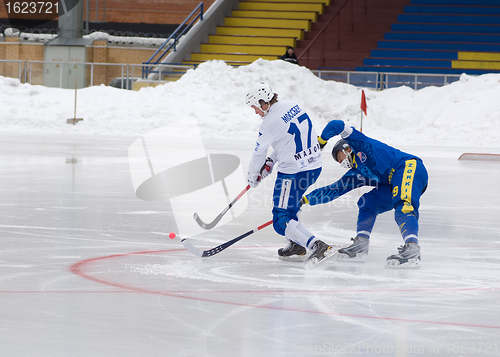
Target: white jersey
[(289, 130)]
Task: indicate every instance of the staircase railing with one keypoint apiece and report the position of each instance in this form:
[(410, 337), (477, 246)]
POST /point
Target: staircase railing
[(172, 41), (322, 33)]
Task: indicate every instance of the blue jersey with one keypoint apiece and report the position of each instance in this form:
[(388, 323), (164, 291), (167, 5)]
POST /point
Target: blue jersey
[(374, 163)]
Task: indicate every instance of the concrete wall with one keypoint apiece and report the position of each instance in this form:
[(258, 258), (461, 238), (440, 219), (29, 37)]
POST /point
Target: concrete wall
[(12, 50)]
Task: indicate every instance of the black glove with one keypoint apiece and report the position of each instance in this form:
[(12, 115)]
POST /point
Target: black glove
[(304, 201)]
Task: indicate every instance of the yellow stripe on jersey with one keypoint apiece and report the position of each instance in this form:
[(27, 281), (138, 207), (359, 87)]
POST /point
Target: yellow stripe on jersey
[(407, 184)]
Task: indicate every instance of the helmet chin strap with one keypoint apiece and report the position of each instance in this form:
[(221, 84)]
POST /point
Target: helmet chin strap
[(267, 110)]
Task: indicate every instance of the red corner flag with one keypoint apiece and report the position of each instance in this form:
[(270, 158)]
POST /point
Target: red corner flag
[(363, 101)]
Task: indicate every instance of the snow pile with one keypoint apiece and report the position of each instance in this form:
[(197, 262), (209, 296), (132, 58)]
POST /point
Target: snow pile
[(97, 35), (11, 32), (127, 40), (464, 113)]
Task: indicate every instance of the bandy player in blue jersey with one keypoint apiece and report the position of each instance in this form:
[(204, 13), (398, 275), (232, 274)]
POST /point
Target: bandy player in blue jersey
[(398, 178), (296, 153)]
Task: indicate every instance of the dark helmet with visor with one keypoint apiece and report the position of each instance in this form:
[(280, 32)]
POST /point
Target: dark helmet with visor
[(342, 145)]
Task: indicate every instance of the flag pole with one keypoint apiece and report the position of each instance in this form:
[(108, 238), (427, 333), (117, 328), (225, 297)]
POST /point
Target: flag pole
[(74, 120), (363, 108), (361, 127)]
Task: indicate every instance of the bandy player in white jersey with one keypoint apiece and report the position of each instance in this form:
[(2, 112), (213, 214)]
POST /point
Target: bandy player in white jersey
[(297, 155)]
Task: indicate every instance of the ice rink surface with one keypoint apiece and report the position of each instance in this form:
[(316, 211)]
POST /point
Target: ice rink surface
[(87, 268)]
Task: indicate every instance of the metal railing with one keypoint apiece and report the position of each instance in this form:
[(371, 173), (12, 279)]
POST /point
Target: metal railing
[(119, 75), (34, 72), (386, 80), (21, 71), (417, 81), (172, 41), (362, 79)]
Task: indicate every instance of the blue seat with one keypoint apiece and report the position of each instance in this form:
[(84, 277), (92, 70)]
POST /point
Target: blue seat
[(449, 19), (458, 28), (443, 37), (465, 10), (456, 2), (443, 46), (392, 69), (406, 62), (447, 55), (430, 33)]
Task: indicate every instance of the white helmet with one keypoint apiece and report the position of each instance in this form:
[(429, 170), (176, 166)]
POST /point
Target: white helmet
[(259, 91)]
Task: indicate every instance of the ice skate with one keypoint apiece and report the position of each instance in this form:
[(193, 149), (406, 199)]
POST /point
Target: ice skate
[(292, 252), (408, 257), (320, 252), (356, 252)]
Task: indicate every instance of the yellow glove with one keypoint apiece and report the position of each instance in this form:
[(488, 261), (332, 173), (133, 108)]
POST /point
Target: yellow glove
[(322, 142)]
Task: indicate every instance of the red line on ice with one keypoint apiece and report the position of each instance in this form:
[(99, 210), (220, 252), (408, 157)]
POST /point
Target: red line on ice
[(78, 269)]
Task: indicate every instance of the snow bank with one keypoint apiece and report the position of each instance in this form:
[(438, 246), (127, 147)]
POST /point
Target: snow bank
[(464, 113)]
